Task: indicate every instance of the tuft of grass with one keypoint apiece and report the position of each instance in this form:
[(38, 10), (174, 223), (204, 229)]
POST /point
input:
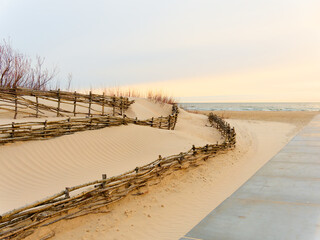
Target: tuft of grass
[(159, 97), (116, 91), (155, 96)]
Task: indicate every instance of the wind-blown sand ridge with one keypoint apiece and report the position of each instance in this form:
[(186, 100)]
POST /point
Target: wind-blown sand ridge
[(33, 170)]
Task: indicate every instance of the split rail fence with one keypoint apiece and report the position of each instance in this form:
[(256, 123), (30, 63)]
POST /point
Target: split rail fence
[(26, 131), (16, 100), (67, 204)]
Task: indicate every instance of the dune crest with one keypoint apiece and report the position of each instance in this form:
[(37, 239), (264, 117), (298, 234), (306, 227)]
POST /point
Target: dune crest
[(36, 169)]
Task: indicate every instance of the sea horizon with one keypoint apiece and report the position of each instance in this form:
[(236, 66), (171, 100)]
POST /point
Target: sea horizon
[(252, 106)]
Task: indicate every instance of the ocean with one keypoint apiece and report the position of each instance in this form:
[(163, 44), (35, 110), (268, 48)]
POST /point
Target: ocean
[(314, 106)]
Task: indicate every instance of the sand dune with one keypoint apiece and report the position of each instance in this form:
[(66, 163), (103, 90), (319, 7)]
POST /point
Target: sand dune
[(33, 170), (144, 109)]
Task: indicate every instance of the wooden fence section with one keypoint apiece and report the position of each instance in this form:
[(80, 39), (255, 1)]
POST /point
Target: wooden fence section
[(15, 98), (67, 205), (26, 131)]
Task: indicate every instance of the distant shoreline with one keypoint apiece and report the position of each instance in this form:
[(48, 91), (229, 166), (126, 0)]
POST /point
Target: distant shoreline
[(267, 107), (299, 118)]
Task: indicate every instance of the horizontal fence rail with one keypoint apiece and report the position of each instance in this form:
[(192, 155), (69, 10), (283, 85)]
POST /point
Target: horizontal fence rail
[(68, 204), (17, 98), (26, 131)]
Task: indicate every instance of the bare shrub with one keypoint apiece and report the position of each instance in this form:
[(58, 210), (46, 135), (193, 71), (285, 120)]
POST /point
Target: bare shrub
[(16, 70), (40, 77), (14, 67), (69, 82)]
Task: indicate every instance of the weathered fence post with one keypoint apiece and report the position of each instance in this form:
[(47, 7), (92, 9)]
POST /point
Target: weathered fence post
[(15, 103), (194, 150), (104, 177), (37, 106), (169, 122), (103, 100), (206, 148), (175, 121), (58, 109), (121, 105), (114, 105), (108, 121), (160, 121), (159, 164), (12, 131), (90, 123), (75, 103), (90, 102), (180, 158), (44, 128), (152, 122), (69, 124), (67, 193), (127, 104), (124, 122)]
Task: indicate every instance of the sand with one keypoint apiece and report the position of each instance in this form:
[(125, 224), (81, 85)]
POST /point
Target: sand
[(33, 170), (299, 118)]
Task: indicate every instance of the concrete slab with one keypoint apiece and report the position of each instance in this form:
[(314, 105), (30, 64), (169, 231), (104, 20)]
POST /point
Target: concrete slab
[(238, 219), (281, 189), (307, 143), (305, 137), (281, 201), (303, 148), (290, 169), (297, 157)]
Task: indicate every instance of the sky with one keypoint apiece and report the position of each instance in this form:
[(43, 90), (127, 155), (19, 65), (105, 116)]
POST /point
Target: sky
[(194, 50)]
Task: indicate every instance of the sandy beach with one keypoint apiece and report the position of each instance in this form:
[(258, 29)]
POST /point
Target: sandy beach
[(299, 118), (36, 169)]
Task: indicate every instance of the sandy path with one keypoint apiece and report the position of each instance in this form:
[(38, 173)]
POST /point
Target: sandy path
[(173, 207)]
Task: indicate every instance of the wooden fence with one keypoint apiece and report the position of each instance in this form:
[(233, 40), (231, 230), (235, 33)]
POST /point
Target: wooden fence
[(100, 193), (15, 98), (26, 131)]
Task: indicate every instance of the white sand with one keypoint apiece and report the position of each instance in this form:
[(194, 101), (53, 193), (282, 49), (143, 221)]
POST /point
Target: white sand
[(33, 170), (173, 207)]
